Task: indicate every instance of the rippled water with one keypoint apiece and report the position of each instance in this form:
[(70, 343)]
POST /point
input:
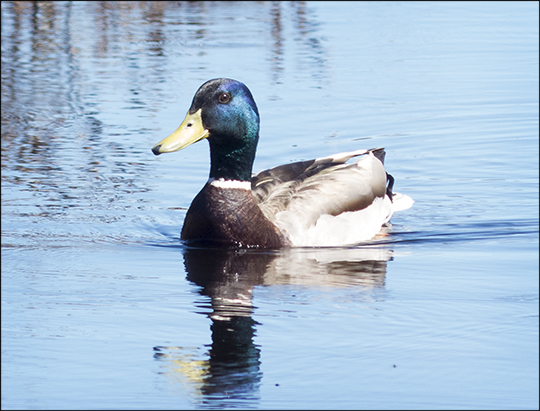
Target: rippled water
[(102, 307)]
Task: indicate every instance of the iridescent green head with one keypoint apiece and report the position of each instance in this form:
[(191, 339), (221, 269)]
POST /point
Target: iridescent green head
[(224, 112)]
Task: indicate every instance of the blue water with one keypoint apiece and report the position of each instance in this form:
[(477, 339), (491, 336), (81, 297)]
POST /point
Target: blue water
[(102, 307)]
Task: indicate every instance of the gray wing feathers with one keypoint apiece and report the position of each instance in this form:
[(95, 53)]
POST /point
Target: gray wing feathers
[(323, 186)]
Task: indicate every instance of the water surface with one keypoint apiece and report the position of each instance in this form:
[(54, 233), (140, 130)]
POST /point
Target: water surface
[(103, 307)]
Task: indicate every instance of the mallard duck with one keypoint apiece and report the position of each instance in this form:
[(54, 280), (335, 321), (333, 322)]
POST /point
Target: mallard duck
[(320, 202)]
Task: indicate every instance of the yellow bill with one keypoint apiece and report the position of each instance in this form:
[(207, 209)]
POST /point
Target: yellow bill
[(190, 131)]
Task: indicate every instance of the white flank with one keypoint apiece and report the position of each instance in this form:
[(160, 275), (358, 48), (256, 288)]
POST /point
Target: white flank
[(344, 229), (222, 183)]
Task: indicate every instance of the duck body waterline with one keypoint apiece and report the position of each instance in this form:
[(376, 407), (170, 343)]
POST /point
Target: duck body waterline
[(322, 202)]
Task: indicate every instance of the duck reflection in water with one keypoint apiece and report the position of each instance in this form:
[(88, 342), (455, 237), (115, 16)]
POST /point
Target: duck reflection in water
[(231, 370)]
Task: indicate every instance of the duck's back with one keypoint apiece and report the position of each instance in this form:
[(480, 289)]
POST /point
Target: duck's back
[(328, 202)]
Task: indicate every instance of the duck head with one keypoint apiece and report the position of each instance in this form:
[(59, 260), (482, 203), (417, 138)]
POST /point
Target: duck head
[(224, 112)]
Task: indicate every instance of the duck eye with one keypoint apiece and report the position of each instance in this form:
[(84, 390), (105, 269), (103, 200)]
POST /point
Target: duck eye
[(224, 98)]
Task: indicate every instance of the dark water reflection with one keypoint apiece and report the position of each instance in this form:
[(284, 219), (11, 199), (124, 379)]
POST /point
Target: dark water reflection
[(78, 93), (231, 370)]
